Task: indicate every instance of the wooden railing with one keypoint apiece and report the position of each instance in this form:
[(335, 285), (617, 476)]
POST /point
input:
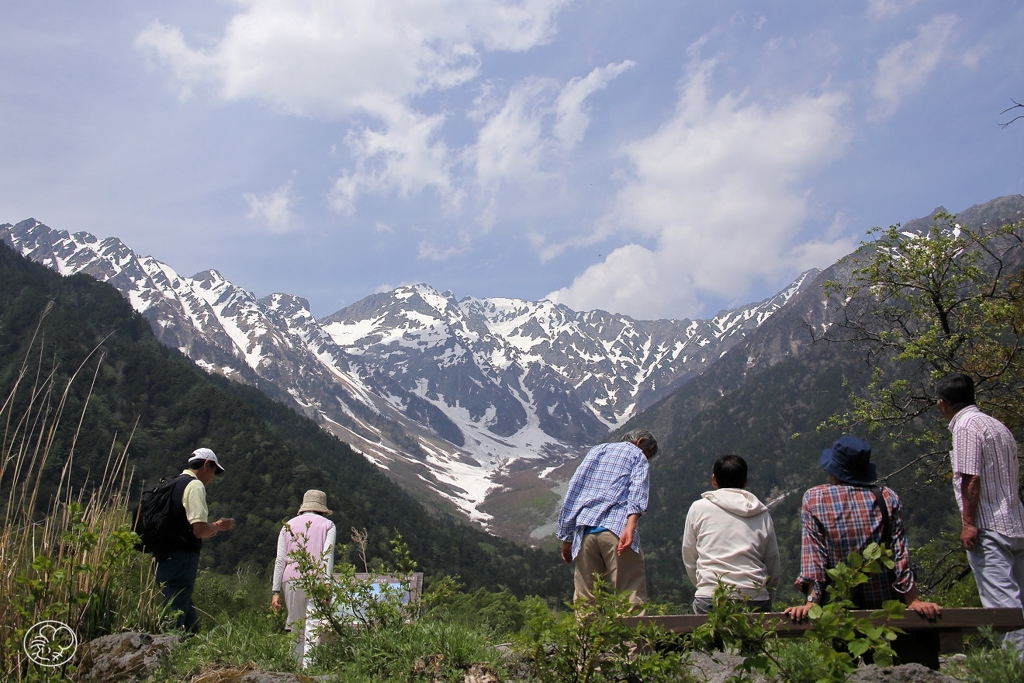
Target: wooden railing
[(960, 620), (949, 629)]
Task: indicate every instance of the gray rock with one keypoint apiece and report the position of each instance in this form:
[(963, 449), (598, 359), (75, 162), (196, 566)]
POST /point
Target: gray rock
[(123, 657), (719, 667), (233, 674), (906, 673)]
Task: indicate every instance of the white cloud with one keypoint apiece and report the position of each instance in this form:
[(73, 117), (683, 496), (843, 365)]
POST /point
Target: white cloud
[(886, 9), (274, 208), (905, 69), (428, 251), (186, 67), (624, 283), (358, 58), (523, 136), (509, 144), (717, 196), (971, 58), (329, 58), (572, 115), (406, 157)]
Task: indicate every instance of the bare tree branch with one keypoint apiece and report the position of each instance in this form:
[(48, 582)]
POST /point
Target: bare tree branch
[(1016, 105)]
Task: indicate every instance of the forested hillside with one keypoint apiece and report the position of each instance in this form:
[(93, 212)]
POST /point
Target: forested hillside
[(158, 399)]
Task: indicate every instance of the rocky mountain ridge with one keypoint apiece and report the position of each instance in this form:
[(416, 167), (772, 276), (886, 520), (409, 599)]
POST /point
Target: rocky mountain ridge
[(449, 395)]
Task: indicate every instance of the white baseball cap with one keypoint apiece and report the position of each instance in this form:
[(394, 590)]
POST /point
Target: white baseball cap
[(206, 454)]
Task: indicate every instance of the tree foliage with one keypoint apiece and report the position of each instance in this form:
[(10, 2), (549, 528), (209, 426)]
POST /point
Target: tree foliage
[(922, 305)]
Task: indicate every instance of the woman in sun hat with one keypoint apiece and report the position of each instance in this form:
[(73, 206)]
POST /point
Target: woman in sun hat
[(312, 531)]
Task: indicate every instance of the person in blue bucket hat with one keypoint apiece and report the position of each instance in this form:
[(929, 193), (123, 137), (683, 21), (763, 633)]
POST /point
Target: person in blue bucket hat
[(847, 515), (849, 461)]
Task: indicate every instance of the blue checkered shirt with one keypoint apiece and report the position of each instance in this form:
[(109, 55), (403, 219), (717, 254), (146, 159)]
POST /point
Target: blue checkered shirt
[(610, 485)]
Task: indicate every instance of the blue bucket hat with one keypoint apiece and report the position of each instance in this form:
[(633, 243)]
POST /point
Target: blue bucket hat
[(849, 461)]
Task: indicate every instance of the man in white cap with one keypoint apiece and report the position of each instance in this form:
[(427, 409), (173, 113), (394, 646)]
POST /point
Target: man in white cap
[(178, 559), (314, 534)]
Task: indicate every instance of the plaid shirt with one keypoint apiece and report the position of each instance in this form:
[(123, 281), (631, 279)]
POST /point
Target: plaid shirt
[(840, 519), (610, 485), (984, 447)]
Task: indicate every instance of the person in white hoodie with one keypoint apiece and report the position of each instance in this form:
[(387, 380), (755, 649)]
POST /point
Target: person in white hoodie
[(730, 538)]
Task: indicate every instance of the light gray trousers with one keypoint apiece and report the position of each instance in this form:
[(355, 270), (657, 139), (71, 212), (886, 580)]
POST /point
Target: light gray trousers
[(300, 621), (998, 565)]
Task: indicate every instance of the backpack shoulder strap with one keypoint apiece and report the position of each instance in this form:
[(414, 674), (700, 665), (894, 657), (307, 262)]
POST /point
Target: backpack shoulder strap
[(886, 523)]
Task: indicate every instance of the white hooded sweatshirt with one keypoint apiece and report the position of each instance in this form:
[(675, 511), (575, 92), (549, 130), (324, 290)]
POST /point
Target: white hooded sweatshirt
[(730, 537)]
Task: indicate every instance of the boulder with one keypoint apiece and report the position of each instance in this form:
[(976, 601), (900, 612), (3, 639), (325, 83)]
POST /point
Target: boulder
[(905, 673), (122, 657)]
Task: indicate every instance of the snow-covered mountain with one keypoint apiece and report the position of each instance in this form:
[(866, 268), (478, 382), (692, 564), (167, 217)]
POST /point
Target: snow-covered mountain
[(448, 395)]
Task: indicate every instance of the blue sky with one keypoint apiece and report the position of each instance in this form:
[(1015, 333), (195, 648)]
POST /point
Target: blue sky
[(658, 159)]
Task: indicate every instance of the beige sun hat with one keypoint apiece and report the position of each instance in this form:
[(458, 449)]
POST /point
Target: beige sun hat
[(314, 501)]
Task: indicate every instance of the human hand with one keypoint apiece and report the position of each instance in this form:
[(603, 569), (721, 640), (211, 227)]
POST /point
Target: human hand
[(929, 610), (567, 552), (799, 613), (275, 602), (969, 536), (625, 540), (225, 524)]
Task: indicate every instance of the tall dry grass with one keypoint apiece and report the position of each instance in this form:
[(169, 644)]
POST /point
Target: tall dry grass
[(66, 548)]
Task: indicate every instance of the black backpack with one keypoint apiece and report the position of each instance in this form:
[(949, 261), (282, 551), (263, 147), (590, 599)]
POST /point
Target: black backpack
[(155, 520)]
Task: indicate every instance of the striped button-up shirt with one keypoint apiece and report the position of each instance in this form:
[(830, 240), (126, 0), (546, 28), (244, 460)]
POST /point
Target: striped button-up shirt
[(610, 485), (840, 519), (984, 447)]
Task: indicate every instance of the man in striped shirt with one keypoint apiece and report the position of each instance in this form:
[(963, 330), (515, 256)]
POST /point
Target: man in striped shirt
[(986, 482), (598, 518)]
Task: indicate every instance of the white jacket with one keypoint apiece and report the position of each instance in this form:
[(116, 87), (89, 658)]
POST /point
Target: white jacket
[(729, 536)]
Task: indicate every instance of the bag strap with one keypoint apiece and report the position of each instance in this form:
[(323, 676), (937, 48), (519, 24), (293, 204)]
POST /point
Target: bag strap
[(886, 524), (886, 538)]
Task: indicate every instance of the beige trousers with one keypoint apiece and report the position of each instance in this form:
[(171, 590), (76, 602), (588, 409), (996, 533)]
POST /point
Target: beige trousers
[(624, 573)]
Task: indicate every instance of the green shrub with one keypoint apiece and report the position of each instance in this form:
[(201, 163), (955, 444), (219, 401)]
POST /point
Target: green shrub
[(499, 613), (593, 643), (988, 662), (73, 561), (371, 631), (247, 639), (218, 596), (833, 647), (417, 651)]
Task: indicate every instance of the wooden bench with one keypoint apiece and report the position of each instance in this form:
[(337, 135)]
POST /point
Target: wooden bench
[(949, 629)]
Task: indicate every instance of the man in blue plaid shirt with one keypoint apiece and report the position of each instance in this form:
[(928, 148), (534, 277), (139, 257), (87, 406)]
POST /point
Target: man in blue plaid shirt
[(597, 522)]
